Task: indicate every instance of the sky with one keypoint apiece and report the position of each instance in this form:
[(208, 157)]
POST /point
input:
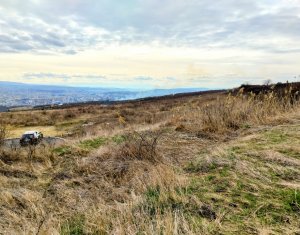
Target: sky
[(149, 43)]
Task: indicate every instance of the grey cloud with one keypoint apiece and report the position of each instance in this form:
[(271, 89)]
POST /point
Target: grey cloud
[(19, 33), (48, 40), (66, 77), (143, 78), (171, 79), (66, 26), (43, 75)]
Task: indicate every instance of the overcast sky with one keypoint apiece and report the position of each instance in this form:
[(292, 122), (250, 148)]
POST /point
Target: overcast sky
[(149, 43)]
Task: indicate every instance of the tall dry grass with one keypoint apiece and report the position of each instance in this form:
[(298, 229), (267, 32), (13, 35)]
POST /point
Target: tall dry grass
[(3, 132), (241, 110)]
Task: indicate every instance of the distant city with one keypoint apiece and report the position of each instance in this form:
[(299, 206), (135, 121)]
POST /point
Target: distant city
[(19, 94)]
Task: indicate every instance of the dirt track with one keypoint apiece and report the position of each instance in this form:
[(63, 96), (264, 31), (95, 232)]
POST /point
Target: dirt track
[(48, 140)]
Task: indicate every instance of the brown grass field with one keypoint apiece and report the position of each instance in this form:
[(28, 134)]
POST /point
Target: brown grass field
[(211, 163)]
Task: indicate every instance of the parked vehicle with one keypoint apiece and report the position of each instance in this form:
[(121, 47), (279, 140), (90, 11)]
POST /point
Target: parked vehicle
[(31, 138)]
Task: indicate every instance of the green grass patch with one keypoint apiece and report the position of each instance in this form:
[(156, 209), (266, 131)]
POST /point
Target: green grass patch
[(90, 144), (73, 226), (203, 167), (276, 136), (159, 202), (152, 194), (63, 150), (118, 139), (290, 152), (93, 143), (278, 206), (291, 200), (100, 141), (248, 198), (266, 141)]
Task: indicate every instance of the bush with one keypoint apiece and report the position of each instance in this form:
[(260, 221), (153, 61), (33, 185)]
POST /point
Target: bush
[(69, 114), (135, 156), (141, 147)]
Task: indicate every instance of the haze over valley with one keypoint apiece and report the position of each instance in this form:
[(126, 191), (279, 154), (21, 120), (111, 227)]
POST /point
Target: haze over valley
[(21, 94)]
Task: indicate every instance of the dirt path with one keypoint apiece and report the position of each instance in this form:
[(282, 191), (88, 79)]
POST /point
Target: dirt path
[(48, 140)]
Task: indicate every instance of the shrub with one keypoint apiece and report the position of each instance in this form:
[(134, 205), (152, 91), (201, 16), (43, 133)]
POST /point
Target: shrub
[(141, 146), (135, 156), (69, 114)]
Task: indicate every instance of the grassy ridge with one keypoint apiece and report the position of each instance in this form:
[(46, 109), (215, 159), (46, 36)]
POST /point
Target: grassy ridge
[(199, 165)]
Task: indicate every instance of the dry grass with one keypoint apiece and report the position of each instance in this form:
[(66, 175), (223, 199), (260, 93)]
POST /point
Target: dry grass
[(3, 132), (242, 110), (193, 165)]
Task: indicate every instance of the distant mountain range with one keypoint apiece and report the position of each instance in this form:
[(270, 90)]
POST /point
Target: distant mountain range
[(20, 94)]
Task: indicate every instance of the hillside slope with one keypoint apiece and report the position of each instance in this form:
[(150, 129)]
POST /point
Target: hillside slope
[(203, 168)]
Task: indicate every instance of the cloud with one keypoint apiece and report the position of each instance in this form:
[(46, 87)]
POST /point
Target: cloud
[(70, 26), (143, 78), (132, 43), (20, 33), (171, 79), (54, 78)]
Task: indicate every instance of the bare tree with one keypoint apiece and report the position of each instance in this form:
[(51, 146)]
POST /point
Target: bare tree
[(267, 82)]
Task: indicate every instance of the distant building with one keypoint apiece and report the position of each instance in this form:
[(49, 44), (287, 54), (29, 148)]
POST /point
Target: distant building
[(3, 109)]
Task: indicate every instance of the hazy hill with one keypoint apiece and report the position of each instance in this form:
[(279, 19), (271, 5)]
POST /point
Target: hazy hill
[(19, 94)]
